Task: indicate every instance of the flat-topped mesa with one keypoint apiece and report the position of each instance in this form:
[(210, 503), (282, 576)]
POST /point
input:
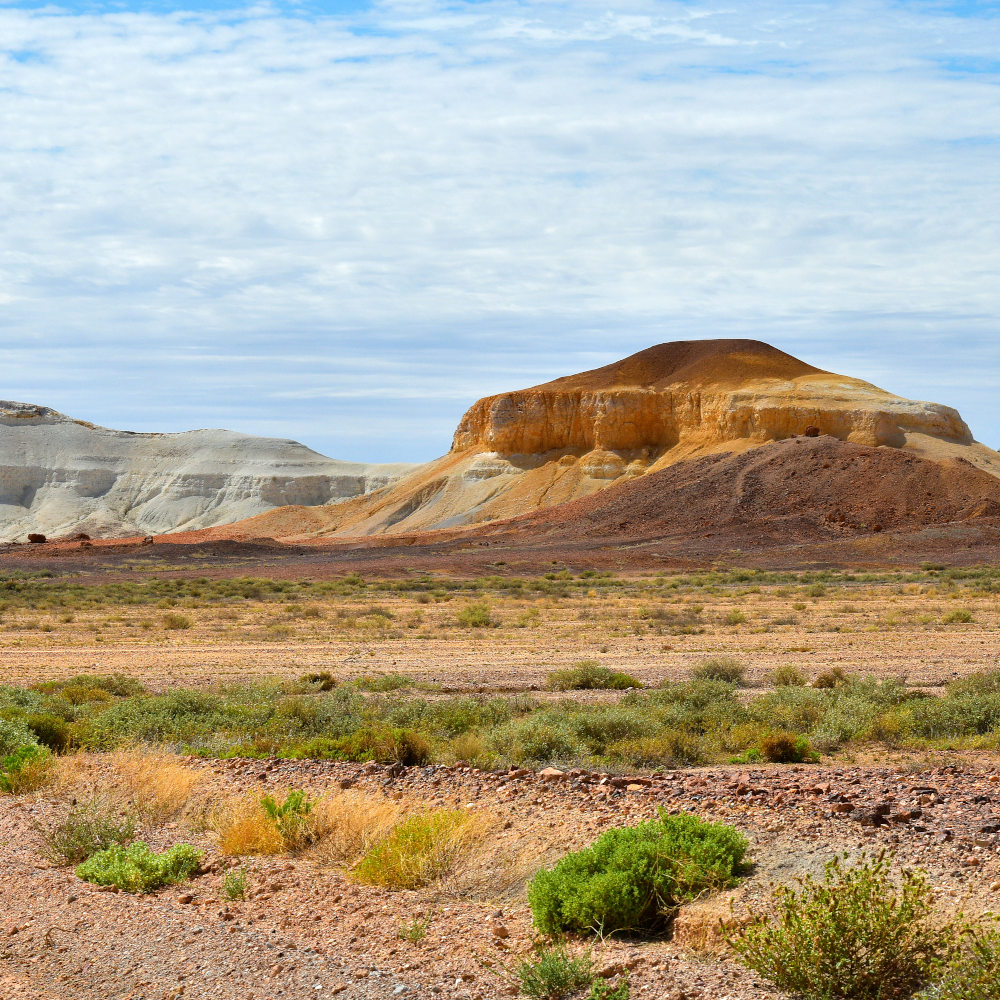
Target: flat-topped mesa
[(697, 395)]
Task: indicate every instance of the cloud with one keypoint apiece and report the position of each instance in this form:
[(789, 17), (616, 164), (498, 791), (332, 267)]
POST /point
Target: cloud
[(221, 212)]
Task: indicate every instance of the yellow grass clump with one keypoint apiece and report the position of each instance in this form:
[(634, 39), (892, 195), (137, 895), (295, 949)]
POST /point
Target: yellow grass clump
[(421, 849), (159, 786), (245, 828), (350, 824)]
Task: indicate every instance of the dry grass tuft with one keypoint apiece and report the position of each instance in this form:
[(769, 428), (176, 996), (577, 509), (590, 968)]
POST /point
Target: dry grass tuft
[(245, 828), (421, 849), (159, 786), (350, 824), (500, 871)]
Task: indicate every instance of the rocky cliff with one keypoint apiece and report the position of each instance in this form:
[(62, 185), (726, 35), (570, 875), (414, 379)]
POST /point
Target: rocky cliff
[(60, 476)]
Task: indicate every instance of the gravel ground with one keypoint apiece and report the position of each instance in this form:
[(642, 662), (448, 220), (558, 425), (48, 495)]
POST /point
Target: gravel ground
[(306, 931)]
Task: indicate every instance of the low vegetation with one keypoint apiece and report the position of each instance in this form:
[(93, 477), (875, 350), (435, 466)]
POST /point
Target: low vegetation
[(89, 827), (858, 933), (136, 868), (633, 879), (589, 675), (420, 849), (697, 721)]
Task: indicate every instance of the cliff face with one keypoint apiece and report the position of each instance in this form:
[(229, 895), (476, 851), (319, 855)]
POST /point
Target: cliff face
[(59, 476), (694, 398)]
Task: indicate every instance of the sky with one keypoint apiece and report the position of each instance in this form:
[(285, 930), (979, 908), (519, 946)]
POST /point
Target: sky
[(342, 222)]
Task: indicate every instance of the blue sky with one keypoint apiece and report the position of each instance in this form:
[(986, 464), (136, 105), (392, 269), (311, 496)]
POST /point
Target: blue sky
[(344, 222)]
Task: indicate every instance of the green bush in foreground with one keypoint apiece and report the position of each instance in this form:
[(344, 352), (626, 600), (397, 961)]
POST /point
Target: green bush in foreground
[(136, 868), (634, 878), (590, 675), (852, 935), (974, 974)]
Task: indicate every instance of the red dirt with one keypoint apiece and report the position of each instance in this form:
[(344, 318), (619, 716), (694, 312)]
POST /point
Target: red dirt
[(720, 362)]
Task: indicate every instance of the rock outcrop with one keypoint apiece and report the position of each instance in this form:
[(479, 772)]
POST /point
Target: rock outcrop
[(60, 476), (536, 448)]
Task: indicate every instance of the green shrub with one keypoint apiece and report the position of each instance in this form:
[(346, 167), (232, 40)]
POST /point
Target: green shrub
[(51, 730), (176, 621), (590, 675), (290, 816), (785, 748), (25, 770), (89, 827), (674, 748), (475, 615), (855, 934), (787, 676), (384, 682), (323, 680), (635, 878), (138, 869), (974, 973), (234, 884), (719, 668), (960, 616), (555, 974), (603, 990), (533, 740), (13, 736), (383, 744)]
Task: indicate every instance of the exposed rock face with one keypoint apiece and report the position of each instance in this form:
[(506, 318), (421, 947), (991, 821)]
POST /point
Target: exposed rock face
[(697, 394), (60, 476), (537, 448)]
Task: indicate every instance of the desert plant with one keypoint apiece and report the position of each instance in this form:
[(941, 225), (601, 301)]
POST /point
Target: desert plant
[(719, 668), (635, 878), (136, 868), (13, 736), (234, 883), (830, 679), (785, 748), (415, 930), (291, 817), (51, 730), (960, 616), (26, 769), (603, 990), (852, 935), (420, 849), (158, 786), (349, 824), (475, 615), (589, 675), (787, 676), (89, 827), (176, 621), (554, 973), (973, 973)]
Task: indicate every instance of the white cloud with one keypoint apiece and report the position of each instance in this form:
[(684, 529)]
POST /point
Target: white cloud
[(461, 194)]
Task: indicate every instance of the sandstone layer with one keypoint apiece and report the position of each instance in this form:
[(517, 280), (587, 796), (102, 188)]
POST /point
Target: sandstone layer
[(537, 448), (60, 476)]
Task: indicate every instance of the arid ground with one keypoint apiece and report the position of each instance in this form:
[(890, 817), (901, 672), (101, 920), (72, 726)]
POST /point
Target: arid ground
[(303, 925)]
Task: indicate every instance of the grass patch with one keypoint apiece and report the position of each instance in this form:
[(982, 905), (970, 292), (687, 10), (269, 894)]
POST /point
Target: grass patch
[(554, 973), (26, 770), (420, 849), (633, 879)]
